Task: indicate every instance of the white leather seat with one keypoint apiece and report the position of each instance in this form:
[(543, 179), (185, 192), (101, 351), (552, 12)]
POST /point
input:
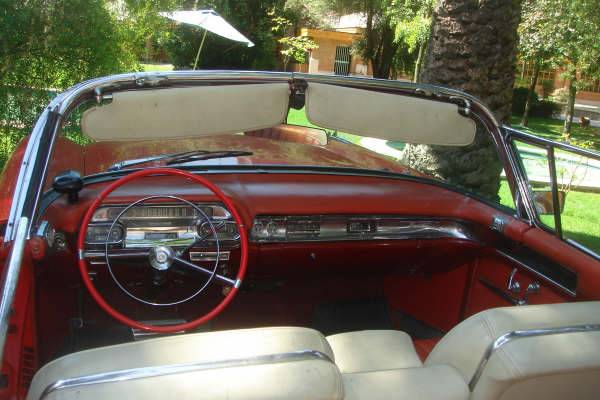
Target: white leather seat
[(464, 345), (557, 366), (365, 351), (313, 378), (375, 364)]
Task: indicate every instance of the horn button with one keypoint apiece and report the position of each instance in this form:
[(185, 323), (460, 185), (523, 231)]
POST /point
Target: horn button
[(161, 257)]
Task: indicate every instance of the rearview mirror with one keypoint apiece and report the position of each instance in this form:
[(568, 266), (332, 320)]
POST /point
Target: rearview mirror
[(68, 182)]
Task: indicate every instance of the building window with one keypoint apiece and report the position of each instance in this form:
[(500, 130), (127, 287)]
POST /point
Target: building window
[(342, 60), (525, 70)]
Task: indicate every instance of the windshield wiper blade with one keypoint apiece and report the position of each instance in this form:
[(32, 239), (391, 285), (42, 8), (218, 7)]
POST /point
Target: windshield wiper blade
[(179, 158), (185, 158)]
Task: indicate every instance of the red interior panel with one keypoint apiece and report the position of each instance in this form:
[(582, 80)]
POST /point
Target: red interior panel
[(496, 271)]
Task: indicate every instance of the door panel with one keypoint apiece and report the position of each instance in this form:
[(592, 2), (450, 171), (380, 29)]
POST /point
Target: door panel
[(489, 286)]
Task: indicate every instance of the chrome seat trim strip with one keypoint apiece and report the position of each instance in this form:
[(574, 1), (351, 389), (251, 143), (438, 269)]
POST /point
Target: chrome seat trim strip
[(173, 369), (521, 334)]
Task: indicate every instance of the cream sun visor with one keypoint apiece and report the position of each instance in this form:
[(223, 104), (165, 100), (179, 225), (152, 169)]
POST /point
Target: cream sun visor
[(387, 116), (187, 112)]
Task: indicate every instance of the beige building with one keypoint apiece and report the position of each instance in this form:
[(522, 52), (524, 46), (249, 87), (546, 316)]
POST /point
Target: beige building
[(334, 56)]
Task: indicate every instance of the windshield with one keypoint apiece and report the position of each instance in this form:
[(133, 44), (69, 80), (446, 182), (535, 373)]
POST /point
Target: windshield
[(297, 142)]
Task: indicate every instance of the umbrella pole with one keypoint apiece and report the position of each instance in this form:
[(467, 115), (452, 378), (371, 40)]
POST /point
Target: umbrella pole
[(200, 49)]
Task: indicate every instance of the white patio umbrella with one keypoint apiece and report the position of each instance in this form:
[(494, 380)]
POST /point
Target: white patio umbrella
[(208, 20)]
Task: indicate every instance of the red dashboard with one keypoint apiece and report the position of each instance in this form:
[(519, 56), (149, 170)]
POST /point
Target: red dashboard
[(318, 194)]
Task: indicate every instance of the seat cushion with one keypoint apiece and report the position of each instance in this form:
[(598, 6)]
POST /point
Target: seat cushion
[(438, 382), (316, 378), (374, 350)]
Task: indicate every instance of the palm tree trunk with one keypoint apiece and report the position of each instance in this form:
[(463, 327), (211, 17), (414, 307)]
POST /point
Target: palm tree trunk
[(530, 91), (473, 48), (570, 107)]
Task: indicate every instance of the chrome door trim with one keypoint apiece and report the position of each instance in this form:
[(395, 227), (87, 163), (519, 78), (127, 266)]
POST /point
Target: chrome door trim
[(173, 369), (24, 177), (531, 269), (521, 334), (10, 278)]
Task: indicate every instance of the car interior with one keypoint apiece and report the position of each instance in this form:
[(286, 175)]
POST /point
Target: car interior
[(355, 286)]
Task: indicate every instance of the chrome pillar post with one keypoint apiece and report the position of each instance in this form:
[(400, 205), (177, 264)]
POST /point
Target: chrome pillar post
[(10, 277)]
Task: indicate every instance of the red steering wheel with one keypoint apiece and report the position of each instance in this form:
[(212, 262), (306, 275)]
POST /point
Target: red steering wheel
[(235, 284)]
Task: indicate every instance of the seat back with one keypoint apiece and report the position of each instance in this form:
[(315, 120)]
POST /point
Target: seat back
[(249, 364), (541, 361), (559, 366), (292, 133)]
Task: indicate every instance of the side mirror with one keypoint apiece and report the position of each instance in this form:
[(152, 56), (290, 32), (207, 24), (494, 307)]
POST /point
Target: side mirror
[(68, 182), (544, 203)]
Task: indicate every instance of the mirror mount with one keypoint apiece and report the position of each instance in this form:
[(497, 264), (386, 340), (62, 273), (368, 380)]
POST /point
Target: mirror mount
[(68, 182)]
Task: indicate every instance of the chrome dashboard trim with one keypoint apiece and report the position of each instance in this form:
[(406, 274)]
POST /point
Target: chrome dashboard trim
[(173, 369), (209, 256), (521, 334), (218, 211), (336, 228)]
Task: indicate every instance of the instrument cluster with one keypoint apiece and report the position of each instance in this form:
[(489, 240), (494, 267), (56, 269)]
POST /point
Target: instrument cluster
[(149, 225)]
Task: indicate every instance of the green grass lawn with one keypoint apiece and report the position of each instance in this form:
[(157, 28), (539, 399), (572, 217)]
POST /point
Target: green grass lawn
[(298, 117), (552, 129), (580, 218), (157, 67)]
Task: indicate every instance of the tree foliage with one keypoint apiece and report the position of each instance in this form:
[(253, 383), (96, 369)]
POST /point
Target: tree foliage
[(296, 48), (394, 30), (565, 33), (254, 19), (49, 45), (413, 28)]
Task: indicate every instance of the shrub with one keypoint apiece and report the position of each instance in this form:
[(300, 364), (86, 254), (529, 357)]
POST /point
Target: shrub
[(519, 99), (544, 109)]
